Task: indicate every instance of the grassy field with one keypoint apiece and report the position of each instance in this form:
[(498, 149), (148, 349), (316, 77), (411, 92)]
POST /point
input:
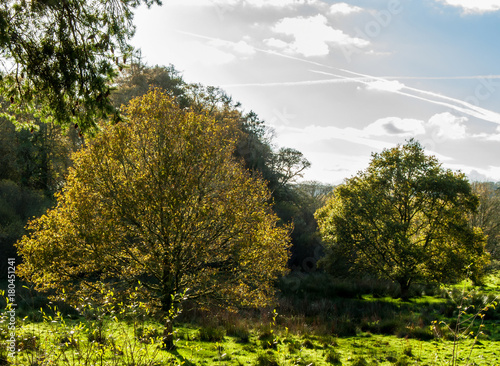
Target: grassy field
[(359, 325)]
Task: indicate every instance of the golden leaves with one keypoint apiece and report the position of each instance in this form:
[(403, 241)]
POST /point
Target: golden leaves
[(161, 197)]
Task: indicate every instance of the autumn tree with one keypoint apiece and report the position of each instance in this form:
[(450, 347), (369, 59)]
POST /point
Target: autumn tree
[(59, 56), (405, 218), (280, 168), (159, 203)]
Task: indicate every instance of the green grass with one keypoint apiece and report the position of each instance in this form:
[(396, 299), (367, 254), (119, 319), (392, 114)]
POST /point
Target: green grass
[(119, 343), (364, 329)]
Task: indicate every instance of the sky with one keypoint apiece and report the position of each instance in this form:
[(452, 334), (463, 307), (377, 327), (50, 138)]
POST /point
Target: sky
[(339, 81)]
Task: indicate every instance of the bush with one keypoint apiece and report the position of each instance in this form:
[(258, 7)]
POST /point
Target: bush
[(388, 326), (239, 331), (345, 328), (68, 340), (211, 334), (408, 350), (420, 333)]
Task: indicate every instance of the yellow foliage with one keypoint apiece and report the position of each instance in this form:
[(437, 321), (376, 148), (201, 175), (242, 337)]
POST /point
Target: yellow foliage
[(159, 203)]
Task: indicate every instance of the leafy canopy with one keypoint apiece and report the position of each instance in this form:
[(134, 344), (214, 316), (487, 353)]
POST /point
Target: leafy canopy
[(405, 219), (159, 203), (58, 56)]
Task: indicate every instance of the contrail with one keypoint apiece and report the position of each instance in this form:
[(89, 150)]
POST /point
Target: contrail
[(478, 114), (470, 109), (354, 80), (470, 77), (462, 107), (295, 83)]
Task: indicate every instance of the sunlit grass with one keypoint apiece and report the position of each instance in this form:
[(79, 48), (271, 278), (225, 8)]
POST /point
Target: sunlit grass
[(72, 343), (382, 331)]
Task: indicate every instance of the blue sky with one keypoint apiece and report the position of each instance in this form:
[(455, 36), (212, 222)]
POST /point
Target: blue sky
[(338, 80)]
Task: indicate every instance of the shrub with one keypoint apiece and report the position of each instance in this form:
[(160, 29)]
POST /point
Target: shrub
[(329, 341), (420, 333), (388, 326), (345, 328), (268, 339), (211, 334), (239, 331), (408, 350)]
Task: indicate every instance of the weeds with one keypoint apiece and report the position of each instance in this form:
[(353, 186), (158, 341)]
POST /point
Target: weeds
[(468, 325)]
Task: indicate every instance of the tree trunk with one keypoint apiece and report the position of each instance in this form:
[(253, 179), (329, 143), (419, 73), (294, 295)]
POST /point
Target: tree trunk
[(168, 335), (167, 303), (404, 285)]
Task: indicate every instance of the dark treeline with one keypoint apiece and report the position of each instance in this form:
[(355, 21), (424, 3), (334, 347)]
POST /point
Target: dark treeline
[(34, 161)]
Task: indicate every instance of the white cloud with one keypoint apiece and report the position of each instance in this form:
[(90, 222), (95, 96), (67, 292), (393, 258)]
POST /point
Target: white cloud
[(344, 9), (489, 174), (249, 3), (276, 3), (474, 6), (395, 126), (187, 54), (385, 85), (313, 35), (244, 48), (240, 48), (381, 134), (313, 134), (491, 137), (448, 126), (275, 43)]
